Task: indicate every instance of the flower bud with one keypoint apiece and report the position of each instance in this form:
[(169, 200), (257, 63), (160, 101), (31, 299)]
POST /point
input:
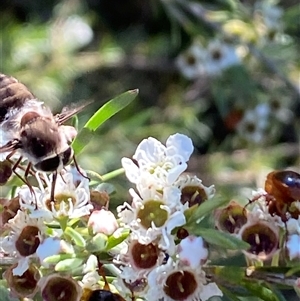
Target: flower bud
[(5, 171), (9, 209), (99, 199), (103, 221), (192, 251)]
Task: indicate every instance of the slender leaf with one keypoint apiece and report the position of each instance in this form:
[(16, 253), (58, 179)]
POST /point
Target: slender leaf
[(68, 264), (259, 290), (59, 257), (104, 113), (202, 210), (218, 238), (77, 238)]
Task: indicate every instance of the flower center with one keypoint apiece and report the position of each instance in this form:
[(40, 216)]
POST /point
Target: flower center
[(28, 241), (152, 212), (59, 289), (216, 54), (194, 195), (261, 238), (61, 198), (27, 282), (180, 285), (144, 256), (250, 127), (191, 60)]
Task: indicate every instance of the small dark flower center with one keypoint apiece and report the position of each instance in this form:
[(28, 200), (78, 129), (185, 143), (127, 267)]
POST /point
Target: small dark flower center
[(180, 285), (59, 289), (232, 218), (216, 54), (28, 241), (191, 60), (194, 195), (144, 256), (26, 284), (261, 238), (250, 127)]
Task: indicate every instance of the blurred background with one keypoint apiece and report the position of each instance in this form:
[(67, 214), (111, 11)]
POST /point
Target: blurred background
[(225, 73)]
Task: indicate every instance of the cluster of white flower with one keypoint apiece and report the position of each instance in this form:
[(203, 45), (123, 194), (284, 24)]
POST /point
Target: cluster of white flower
[(259, 124), (154, 263), (31, 222), (199, 61)]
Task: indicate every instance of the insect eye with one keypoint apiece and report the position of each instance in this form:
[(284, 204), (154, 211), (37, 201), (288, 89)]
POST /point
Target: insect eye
[(67, 156), (48, 164)]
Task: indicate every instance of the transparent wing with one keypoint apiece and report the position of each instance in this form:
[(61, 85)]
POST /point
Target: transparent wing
[(69, 111)]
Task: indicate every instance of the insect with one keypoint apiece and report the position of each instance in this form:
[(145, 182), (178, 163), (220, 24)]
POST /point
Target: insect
[(104, 295), (282, 193), (284, 187), (28, 127)]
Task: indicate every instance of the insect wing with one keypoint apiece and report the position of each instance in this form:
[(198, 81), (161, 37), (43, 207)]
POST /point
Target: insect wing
[(69, 111)]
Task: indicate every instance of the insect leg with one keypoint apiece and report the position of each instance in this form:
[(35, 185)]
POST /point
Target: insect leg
[(52, 199), (23, 179), (78, 169)]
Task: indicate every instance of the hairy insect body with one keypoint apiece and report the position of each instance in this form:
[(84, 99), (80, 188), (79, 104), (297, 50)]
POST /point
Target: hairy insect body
[(29, 128)]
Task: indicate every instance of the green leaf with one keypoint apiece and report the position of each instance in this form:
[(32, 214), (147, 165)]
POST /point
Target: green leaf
[(194, 214), (77, 238), (104, 113), (259, 290), (115, 240), (58, 257), (98, 243), (231, 295), (216, 237), (68, 264)]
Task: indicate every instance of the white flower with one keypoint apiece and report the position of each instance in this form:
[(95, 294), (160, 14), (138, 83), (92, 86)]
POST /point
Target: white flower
[(90, 281), (70, 200), (191, 62), (271, 14), (220, 56), (72, 33), (155, 216), (172, 282), (139, 260), (25, 236), (162, 164), (254, 125), (192, 190)]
